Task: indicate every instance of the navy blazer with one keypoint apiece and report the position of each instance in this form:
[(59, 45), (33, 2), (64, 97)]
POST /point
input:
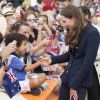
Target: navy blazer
[(78, 73)]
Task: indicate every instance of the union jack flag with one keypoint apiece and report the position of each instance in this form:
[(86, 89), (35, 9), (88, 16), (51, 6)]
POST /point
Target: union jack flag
[(11, 76), (11, 83)]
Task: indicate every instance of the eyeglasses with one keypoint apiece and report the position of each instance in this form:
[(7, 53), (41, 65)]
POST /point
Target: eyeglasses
[(63, 21), (18, 24), (55, 24), (30, 20)]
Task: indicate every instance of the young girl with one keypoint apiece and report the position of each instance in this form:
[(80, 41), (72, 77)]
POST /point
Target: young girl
[(19, 68), (3, 56)]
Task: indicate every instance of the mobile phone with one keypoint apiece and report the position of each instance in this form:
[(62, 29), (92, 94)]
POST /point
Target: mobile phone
[(36, 20)]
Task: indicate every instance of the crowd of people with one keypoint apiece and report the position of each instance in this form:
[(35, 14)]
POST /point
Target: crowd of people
[(43, 39)]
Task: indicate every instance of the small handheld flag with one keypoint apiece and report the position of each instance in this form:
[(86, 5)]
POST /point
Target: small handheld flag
[(11, 83)]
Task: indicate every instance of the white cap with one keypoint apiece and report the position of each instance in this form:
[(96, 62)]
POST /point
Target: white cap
[(7, 11), (3, 25)]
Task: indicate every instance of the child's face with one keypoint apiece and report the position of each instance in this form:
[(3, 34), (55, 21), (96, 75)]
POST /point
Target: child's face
[(30, 19), (22, 49), (25, 30)]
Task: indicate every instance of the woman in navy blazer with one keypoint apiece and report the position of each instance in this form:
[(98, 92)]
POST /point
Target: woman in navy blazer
[(83, 40), (94, 91)]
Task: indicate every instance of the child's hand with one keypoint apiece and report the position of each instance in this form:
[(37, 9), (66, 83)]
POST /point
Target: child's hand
[(46, 41), (11, 47), (46, 61)]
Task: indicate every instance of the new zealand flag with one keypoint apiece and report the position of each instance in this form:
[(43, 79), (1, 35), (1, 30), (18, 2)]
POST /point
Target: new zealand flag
[(11, 83)]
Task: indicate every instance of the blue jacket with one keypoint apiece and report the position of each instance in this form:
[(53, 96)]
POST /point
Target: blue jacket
[(78, 73)]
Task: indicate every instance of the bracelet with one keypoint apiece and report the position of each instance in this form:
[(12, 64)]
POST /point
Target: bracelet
[(0, 61), (44, 45)]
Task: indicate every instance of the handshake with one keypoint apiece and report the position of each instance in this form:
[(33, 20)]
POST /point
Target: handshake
[(45, 61)]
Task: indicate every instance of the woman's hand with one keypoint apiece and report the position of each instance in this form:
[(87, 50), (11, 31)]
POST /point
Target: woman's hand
[(46, 41), (46, 61), (73, 94), (39, 26)]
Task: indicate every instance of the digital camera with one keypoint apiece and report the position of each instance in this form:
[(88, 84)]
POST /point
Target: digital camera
[(37, 21), (59, 28)]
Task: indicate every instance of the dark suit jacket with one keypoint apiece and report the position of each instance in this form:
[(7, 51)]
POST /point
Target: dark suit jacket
[(78, 73)]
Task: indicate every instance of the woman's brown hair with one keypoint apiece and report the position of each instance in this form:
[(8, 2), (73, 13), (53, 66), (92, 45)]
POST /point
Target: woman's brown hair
[(73, 36)]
